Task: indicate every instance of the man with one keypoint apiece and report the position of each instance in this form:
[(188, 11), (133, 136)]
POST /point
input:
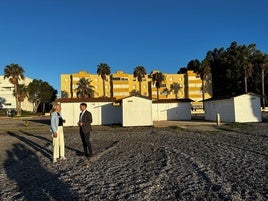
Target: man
[(85, 120)]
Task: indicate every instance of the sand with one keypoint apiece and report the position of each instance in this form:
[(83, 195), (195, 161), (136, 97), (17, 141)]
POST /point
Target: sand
[(138, 163)]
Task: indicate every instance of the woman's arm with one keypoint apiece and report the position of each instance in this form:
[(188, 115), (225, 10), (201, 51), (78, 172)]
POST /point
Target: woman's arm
[(53, 122)]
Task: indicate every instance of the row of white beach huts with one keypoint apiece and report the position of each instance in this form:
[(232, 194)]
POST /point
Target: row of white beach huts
[(142, 111)]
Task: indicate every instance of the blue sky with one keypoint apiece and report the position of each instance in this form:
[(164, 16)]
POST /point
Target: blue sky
[(52, 37)]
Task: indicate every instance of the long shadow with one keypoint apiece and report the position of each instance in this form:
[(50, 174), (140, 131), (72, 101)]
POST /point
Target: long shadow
[(33, 182), (46, 152), (49, 141), (41, 121)]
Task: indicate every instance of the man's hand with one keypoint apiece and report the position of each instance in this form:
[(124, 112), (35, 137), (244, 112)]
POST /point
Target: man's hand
[(55, 134)]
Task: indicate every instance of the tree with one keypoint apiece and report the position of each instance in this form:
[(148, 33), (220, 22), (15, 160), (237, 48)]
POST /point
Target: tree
[(84, 88), (194, 65), (64, 94), (103, 70), (204, 71), (182, 70), (157, 79), (235, 70), (22, 93), (40, 92), (264, 66), (47, 95), (140, 73), (176, 87), (15, 73)]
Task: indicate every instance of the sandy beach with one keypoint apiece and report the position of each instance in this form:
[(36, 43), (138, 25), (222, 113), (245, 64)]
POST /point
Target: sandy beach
[(228, 162)]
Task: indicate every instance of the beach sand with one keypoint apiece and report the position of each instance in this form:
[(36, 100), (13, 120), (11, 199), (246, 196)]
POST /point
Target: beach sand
[(136, 163)]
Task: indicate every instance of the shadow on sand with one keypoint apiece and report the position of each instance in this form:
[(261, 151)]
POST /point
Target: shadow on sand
[(38, 147), (33, 181), (41, 121)]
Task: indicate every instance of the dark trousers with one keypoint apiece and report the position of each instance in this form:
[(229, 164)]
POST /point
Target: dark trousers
[(86, 143)]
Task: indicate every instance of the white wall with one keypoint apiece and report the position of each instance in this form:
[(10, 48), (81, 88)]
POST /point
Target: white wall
[(185, 111), (136, 111), (247, 108), (102, 113), (6, 94), (171, 111), (243, 108), (224, 107)]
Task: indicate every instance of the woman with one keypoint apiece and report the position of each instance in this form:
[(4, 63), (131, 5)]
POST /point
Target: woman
[(56, 128)]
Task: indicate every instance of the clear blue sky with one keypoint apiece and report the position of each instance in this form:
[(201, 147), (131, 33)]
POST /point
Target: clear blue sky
[(52, 37)]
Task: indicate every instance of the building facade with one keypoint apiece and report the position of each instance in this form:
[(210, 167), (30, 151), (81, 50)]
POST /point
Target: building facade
[(7, 98), (120, 84), (69, 84)]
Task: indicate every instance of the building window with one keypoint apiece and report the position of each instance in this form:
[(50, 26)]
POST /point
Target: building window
[(116, 86)]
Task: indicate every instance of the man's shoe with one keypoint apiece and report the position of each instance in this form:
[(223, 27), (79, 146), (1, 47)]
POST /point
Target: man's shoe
[(63, 158)]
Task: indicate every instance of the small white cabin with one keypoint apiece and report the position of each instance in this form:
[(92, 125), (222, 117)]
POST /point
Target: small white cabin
[(136, 111), (102, 110), (241, 108)]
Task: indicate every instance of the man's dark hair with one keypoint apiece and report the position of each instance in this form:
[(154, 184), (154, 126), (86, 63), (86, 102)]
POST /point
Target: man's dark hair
[(84, 104)]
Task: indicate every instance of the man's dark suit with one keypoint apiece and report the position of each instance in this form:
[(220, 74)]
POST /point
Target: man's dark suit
[(85, 132)]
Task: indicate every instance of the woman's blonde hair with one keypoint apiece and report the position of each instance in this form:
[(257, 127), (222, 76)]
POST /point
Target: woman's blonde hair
[(54, 106)]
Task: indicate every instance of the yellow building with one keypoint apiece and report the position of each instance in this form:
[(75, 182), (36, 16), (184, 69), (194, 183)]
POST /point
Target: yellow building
[(172, 88), (194, 86), (121, 84), (69, 84)]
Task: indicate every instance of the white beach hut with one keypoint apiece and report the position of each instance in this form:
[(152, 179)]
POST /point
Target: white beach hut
[(171, 109), (240, 108), (136, 111), (102, 110)]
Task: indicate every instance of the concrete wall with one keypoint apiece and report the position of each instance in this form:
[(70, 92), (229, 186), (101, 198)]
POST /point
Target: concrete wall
[(247, 108), (136, 111), (102, 113), (171, 111)]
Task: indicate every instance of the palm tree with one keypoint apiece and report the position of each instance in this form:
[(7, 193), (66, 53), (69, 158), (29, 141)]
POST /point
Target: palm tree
[(22, 94), (264, 66), (176, 87), (103, 70), (15, 73), (204, 71), (140, 73), (157, 78), (247, 74), (84, 88)]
